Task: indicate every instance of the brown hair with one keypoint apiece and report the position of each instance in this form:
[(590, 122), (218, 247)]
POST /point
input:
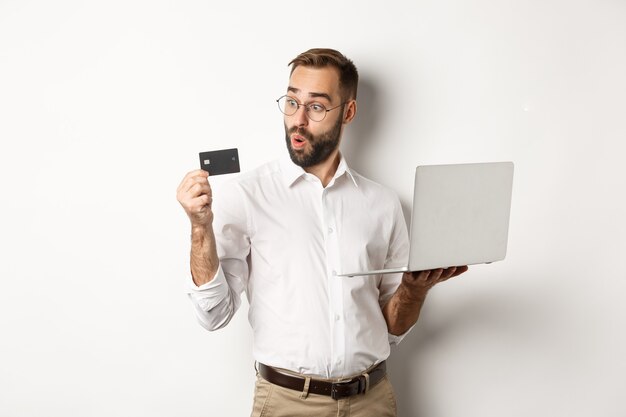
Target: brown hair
[(324, 57)]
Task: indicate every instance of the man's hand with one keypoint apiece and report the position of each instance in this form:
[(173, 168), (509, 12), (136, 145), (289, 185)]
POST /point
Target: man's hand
[(419, 282), (194, 194), (403, 309)]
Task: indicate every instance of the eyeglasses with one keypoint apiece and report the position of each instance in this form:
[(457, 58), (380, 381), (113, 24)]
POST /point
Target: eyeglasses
[(314, 111)]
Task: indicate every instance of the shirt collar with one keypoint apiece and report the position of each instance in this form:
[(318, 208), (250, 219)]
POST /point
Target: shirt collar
[(292, 172)]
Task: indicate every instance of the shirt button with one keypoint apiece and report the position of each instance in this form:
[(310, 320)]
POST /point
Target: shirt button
[(334, 272), (330, 230), (337, 318)]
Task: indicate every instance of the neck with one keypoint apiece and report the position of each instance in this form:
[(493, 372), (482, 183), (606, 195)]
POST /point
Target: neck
[(325, 170)]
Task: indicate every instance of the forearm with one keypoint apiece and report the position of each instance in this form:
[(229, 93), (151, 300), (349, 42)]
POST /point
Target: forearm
[(204, 260), (403, 309), (215, 304)]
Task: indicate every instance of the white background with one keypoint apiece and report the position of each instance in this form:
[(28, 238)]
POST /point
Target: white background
[(105, 105)]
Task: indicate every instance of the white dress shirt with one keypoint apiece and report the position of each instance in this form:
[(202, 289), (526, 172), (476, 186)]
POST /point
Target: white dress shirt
[(282, 238)]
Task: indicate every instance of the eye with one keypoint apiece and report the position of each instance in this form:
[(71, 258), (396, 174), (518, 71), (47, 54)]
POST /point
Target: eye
[(316, 108), (290, 102)]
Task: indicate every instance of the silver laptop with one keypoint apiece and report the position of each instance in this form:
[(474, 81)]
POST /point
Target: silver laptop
[(460, 216)]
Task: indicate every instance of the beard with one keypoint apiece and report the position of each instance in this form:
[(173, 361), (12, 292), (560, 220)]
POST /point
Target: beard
[(322, 145)]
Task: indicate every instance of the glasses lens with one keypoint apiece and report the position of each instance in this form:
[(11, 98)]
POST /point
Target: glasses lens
[(316, 112), (287, 105)]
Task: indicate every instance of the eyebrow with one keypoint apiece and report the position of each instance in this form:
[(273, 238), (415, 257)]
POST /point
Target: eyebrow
[(314, 95)]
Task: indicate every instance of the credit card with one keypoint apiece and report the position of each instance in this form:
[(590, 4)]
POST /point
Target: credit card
[(225, 161)]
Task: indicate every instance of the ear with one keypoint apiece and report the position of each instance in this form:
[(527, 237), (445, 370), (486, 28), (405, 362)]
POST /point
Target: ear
[(349, 112)]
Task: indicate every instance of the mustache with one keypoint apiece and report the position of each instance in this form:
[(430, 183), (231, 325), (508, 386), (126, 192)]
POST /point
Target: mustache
[(302, 132)]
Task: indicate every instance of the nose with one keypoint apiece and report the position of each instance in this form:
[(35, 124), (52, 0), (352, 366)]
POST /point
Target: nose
[(301, 117)]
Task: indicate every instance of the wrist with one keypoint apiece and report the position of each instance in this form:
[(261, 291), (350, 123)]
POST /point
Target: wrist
[(200, 229), (412, 290), (202, 236)]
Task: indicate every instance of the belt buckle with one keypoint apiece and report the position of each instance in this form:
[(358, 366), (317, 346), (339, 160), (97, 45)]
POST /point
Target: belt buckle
[(360, 387), (336, 395)]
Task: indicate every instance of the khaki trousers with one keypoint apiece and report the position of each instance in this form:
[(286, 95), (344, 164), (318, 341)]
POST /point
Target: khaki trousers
[(275, 401)]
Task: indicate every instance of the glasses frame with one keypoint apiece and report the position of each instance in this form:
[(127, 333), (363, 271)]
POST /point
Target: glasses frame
[(306, 107)]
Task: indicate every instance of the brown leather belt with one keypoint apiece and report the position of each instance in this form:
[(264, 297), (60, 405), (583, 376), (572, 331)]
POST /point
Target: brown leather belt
[(336, 390)]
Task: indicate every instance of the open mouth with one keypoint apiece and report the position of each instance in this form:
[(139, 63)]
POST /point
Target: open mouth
[(298, 142)]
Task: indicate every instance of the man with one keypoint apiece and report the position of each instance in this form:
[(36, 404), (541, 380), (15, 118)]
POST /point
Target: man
[(282, 232)]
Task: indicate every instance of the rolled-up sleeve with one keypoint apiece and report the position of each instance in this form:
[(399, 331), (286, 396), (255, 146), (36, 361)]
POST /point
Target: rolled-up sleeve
[(216, 302)]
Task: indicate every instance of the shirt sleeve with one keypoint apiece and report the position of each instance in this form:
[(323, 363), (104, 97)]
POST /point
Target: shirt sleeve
[(397, 254), (216, 302)]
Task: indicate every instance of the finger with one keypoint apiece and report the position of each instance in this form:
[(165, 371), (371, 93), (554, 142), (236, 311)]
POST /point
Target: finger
[(420, 275), (199, 189), (191, 182), (448, 272), (200, 204), (186, 199), (196, 186), (189, 192), (206, 200), (460, 270), (433, 276), (194, 173), (198, 172), (437, 274), (190, 179), (454, 272)]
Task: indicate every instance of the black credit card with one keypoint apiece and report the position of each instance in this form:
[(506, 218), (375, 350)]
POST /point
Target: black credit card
[(225, 161)]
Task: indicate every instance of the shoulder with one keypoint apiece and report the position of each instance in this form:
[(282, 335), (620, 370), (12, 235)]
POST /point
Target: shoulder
[(380, 202), (373, 189), (258, 177), (250, 181), (259, 174), (234, 194)]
